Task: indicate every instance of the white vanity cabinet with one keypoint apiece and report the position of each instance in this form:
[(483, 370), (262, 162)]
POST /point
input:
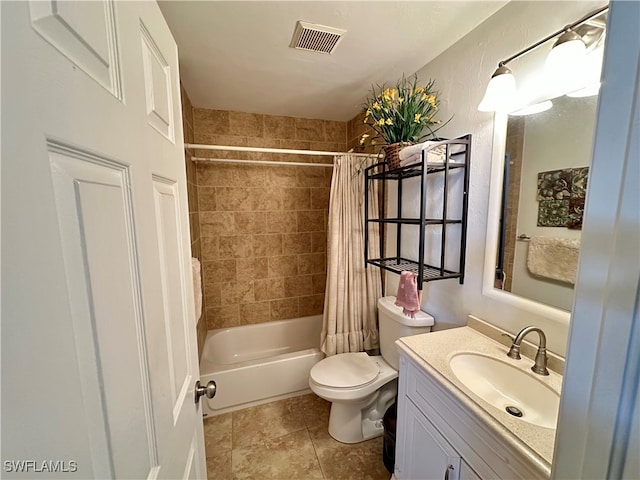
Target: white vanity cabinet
[(438, 437)]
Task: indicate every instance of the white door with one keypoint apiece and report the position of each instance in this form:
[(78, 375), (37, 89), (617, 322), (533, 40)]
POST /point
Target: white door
[(99, 355)]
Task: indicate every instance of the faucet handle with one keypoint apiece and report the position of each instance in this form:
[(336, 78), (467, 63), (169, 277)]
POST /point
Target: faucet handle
[(508, 336)]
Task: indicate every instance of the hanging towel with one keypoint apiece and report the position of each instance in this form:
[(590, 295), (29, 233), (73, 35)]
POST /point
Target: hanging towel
[(197, 287), (554, 258), (408, 296)]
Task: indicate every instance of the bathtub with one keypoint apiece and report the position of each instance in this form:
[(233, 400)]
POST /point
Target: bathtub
[(255, 364)]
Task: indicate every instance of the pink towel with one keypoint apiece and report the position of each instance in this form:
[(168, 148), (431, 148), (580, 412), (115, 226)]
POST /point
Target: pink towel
[(408, 296)]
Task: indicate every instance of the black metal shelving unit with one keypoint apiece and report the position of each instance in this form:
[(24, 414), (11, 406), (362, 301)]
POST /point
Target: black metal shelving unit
[(458, 156)]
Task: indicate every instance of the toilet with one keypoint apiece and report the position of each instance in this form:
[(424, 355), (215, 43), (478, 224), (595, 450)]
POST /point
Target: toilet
[(361, 387)]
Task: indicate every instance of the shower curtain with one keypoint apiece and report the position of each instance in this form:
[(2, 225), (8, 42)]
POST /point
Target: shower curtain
[(352, 292)]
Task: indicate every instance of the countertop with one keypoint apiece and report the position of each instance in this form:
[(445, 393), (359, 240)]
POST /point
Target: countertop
[(433, 351)]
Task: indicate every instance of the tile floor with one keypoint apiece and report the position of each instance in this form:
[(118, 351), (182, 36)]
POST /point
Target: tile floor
[(287, 439)]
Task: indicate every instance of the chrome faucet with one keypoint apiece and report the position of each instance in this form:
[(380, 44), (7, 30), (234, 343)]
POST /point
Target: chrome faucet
[(540, 365)]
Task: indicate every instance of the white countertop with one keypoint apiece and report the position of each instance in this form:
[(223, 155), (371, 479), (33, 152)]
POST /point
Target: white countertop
[(433, 351)]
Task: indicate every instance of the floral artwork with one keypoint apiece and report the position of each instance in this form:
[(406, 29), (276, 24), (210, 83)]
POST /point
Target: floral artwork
[(561, 195)]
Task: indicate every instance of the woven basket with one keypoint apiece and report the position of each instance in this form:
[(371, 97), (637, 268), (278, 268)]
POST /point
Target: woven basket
[(391, 154)]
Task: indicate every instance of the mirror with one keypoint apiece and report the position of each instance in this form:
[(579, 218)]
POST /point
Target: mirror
[(537, 194), (545, 173)]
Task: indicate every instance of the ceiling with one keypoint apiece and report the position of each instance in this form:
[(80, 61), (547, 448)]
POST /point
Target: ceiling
[(235, 55)]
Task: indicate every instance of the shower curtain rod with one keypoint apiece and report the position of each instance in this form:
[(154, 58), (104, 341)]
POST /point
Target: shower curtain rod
[(260, 162), (270, 150)]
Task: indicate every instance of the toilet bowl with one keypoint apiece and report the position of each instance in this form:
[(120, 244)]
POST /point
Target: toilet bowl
[(361, 387)]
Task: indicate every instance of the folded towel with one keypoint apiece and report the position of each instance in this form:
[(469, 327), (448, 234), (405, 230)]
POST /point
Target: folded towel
[(555, 258), (197, 287), (436, 153), (408, 296)]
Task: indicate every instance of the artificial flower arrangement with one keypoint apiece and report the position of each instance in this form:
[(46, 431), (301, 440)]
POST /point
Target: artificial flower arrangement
[(402, 115)]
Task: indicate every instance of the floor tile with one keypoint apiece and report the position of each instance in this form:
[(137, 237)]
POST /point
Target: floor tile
[(315, 410), (341, 461), (217, 434), (219, 466), (266, 422), (290, 457)]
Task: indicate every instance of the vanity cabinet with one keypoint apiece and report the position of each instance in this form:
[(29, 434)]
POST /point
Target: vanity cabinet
[(456, 158), (438, 437)]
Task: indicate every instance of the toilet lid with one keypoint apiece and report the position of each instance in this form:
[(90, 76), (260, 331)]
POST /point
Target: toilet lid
[(345, 370)]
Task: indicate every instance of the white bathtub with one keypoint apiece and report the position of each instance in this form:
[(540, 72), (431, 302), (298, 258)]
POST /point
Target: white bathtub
[(255, 364)]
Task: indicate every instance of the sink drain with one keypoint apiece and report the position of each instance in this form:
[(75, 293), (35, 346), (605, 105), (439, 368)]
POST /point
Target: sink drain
[(515, 411)]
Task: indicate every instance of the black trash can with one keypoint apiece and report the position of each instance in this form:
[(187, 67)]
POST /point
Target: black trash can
[(389, 438)]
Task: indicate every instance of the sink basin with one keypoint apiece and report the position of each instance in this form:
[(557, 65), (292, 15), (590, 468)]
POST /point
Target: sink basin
[(507, 388)]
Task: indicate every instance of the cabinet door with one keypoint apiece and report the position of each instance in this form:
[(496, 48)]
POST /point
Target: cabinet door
[(423, 453)]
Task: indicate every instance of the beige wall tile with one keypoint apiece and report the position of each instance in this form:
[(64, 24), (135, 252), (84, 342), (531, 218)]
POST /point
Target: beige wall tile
[(249, 222), (296, 198), (236, 292), (266, 245), (216, 223), (279, 127), (311, 177), (320, 198), (214, 121), (276, 288), (311, 221), (296, 243), (248, 124), (335, 131), (223, 316), (310, 129), (256, 312), (219, 271), (281, 222), (312, 263), (206, 199), (233, 199), (209, 248), (319, 282), (261, 290), (283, 266), (265, 199), (235, 246), (281, 177), (298, 286), (284, 308), (318, 242), (310, 305), (212, 295), (249, 269)]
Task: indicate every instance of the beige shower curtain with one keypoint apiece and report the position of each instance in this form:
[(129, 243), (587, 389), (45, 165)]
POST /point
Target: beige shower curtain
[(352, 292)]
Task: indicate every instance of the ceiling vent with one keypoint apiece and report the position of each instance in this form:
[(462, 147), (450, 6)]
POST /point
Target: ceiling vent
[(316, 38)]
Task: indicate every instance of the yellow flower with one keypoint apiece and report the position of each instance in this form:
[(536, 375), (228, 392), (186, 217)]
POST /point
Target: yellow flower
[(362, 139), (381, 121), (388, 121), (424, 96), (373, 142), (419, 89), (400, 99), (376, 105), (416, 117), (431, 100), (368, 112)]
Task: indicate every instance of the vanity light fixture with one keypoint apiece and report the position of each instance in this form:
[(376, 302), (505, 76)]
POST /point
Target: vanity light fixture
[(535, 108), (565, 59)]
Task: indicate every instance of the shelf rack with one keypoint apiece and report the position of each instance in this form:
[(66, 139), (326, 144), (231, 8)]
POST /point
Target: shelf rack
[(457, 156)]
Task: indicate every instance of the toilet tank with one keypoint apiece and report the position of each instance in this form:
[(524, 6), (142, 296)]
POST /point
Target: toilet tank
[(393, 324)]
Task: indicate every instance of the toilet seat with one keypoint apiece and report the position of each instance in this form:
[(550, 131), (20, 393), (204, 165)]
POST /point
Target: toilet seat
[(346, 370)]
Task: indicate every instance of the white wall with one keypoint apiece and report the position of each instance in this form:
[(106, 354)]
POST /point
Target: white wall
[(462, 73), (561, 137)]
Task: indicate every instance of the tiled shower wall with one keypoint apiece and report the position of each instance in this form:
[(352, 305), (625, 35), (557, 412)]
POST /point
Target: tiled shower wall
[(263, 228), (192, 192)]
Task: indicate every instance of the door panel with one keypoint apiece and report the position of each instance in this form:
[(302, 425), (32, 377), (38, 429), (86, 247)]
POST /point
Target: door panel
[(99, 355), (85, 32), (174, 291), (95, 220)]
